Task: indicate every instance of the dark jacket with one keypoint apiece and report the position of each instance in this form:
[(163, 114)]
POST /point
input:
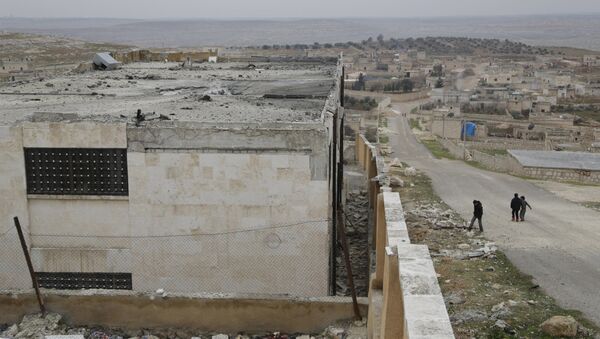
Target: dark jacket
[(478, 209), (516, 203)]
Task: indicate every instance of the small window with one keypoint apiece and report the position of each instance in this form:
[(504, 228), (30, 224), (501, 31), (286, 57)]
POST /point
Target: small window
[(78, 280), (76, 171)]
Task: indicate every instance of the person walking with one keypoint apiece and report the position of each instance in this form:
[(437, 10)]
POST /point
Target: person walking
[(515, 205), (524, 205), (477, 214)]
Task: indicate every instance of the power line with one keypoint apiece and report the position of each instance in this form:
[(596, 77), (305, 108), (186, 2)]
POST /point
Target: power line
[(181, 235)]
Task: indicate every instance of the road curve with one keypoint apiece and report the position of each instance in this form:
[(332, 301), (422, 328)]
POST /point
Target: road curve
[(558, 244)]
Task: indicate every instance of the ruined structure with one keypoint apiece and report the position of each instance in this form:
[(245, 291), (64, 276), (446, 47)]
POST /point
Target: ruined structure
[(215, 178)]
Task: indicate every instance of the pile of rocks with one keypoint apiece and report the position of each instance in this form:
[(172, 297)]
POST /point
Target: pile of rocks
[(394, 170), (433, 216), (35, 325)]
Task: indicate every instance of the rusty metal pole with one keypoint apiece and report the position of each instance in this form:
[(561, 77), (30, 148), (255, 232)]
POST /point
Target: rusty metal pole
[(342, 234), (30, 266)]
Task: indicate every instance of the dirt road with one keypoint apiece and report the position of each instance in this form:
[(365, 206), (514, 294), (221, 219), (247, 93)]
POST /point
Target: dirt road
[(558, 244)]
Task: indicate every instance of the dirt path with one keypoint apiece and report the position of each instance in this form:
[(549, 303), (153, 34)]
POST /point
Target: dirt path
[(559, 244)]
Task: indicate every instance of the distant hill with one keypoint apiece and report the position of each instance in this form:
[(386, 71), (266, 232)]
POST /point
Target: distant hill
[(439, 46), (578, 31)]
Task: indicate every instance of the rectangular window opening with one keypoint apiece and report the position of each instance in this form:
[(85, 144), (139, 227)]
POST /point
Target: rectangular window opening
[(76, 171), (78, 280)]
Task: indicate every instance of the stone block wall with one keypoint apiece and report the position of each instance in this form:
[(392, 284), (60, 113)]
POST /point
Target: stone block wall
[(237, 210), (405, 300), (558, 174), (13, 203)]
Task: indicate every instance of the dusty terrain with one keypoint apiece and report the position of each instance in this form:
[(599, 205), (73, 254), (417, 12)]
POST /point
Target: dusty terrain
[(50, 52), (35, 326)]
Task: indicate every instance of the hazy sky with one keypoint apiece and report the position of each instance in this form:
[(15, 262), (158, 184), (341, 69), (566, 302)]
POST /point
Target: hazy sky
[(285, 8)]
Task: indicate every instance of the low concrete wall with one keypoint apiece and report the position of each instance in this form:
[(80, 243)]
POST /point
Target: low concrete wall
[(405, 300), (394, 97), (498, 163), (502, 143), (560, 174), (457, 151), (206, 313)]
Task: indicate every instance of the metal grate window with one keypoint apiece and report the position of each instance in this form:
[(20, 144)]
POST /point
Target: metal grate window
[(76, 171), (76, 281)]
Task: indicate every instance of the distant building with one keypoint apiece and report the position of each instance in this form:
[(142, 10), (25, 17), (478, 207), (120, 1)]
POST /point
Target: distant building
[(551, 165), (591, 60)]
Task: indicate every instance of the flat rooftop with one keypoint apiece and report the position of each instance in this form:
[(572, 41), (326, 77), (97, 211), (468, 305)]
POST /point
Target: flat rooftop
[(561, 160), (219, 93)]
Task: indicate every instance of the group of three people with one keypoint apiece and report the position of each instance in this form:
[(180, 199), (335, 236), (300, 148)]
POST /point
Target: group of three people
[(518, 206)]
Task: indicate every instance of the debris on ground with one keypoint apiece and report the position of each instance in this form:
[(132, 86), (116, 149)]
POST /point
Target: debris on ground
[(51, 326), (34, 325), (357, 234), (410, 171)]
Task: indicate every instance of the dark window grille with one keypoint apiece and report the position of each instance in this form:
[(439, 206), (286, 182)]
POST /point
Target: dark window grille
[(76, 280), (76, 171)]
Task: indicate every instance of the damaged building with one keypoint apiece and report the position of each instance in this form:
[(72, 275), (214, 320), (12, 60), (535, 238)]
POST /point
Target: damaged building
[(217, 178)]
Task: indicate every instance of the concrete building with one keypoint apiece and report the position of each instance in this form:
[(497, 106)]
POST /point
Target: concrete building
[(448, 128), (591, 60), (216, 179), (15, 66), (560, 166)]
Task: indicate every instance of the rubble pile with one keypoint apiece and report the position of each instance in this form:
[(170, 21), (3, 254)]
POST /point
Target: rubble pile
[(35, 325), (394, 170), (432, 216), (356, 221), (51, 326)]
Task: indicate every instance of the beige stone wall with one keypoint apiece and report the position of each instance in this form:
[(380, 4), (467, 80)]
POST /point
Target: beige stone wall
[(405, 300), (194, 220), (447, 128), (47, 219), (201, 313), (13, 203), (208, 194), (86, 134), (557, 174)]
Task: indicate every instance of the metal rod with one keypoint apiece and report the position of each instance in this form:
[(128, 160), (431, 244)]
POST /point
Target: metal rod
[(344, 241), (30, 266), (334, 204)]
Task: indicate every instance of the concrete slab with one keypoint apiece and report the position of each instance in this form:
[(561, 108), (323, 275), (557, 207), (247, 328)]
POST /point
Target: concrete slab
[(224, 92)]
